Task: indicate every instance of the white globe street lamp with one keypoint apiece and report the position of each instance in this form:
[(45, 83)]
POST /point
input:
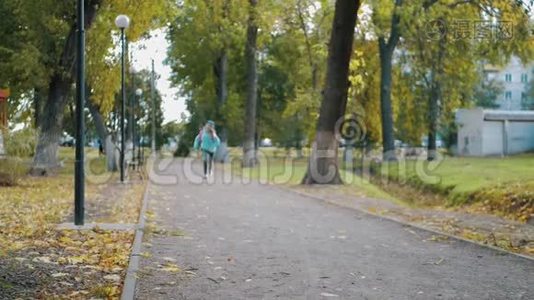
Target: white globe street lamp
[(122, 22)]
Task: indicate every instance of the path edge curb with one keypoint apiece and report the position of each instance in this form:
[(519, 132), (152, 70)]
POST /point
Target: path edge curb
[(391, 219), (130, 281)]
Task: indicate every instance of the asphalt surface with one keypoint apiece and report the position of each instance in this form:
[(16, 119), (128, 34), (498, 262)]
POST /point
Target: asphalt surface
[(252, 241)]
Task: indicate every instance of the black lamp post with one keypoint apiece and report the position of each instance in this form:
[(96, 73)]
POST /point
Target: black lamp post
[(122, 21), (153, 100), (138, 93), (79, 187)]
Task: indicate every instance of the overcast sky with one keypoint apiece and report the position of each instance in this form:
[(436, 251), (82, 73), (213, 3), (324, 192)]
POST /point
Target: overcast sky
[(156, 48)]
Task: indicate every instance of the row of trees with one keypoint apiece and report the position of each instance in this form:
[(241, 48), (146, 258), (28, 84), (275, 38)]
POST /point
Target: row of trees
[(266, 67), (37, 62), (412, 63)]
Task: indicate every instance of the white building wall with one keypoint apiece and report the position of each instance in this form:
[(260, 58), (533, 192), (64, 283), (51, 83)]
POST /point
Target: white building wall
[(520, 137), (490, 133), (492, 138), (516, 86), (469, 123)]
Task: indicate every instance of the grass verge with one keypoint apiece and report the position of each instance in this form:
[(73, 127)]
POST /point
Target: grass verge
[(500, 186), (289, 172)]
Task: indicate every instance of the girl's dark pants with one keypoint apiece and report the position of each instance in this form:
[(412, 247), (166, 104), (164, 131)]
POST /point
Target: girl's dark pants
[(208, 162)]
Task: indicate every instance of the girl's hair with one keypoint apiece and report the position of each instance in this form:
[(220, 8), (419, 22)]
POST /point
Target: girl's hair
[(211, 131)]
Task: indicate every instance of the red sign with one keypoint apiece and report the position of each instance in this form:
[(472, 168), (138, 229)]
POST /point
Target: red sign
[(4, 94), (3, 107)]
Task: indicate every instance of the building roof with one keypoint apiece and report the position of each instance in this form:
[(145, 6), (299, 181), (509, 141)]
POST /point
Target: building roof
[(511, 115), (492, 68)]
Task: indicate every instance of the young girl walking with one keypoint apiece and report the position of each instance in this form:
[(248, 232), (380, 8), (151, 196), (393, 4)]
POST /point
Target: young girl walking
[(207, 142)]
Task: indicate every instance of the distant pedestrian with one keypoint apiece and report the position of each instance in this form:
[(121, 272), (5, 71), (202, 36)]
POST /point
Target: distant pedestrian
[(207, 143), (100, 148)]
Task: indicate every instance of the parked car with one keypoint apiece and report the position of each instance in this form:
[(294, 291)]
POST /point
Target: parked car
[(67, 140)]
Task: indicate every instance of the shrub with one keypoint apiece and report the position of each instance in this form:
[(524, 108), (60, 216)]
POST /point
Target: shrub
[(21, 143), (11, 170), (182, 150)]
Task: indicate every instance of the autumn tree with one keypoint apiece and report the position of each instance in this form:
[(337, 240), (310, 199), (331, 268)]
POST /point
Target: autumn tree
[(487, 92), (389, 35), (323, 164), (249, 151), (206, 55), (447, 60), (50, 32)]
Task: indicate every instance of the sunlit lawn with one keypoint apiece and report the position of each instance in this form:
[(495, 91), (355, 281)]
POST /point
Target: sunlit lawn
[(466, 174), (289, 172), (491, 182)]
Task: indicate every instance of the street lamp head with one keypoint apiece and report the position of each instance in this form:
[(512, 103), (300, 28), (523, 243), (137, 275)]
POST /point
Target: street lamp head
[(139, 92), (122, 21)]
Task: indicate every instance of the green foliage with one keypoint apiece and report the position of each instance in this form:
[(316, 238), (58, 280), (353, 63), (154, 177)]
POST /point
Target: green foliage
[(487, 92), (220, 24), (21, 143), (292, 49), (34, 35), (456, 79), (364, 94), (183, 149), (103, 65), (172, 130), (300, 50)]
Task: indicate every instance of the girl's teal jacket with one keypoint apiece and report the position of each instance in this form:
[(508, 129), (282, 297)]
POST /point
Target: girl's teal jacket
[(207, 142)]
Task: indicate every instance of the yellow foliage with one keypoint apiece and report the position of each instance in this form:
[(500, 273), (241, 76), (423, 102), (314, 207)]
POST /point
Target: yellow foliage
[(31, 211)]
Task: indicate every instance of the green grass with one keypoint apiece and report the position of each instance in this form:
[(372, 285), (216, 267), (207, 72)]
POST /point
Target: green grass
[(502, 186), (290, 173), (94, 164), (462, 174)]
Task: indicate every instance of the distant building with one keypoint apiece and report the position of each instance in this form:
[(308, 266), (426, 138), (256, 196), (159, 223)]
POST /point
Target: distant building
[(515, 77), (494, 132)]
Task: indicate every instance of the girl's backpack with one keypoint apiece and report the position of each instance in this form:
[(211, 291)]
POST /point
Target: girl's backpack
[(200, 136)]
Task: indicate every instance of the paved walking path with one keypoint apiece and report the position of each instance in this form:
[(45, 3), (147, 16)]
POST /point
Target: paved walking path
[(248, 241)]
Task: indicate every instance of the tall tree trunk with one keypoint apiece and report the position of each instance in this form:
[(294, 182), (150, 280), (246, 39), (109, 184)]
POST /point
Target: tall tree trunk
[(433, 116), (298, 142), (323, 163), (258, 120), (38, 107), (220, 69), (249, 152), (388, 140), (435, 98), (103, 135), (386, 50), (46, 153)]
